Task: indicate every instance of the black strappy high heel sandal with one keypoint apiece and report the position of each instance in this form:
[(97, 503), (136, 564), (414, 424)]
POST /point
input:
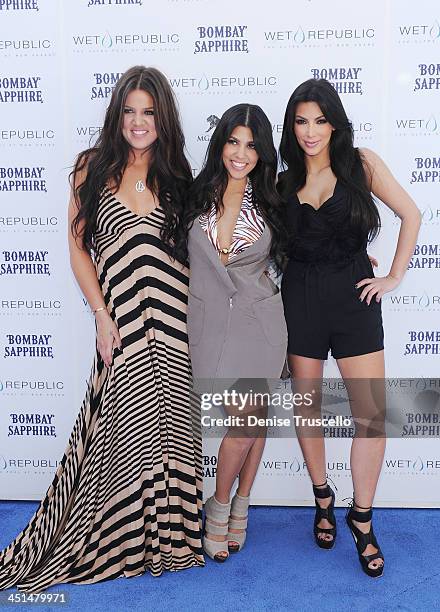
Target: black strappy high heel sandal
[(324, 513), (363, 539)]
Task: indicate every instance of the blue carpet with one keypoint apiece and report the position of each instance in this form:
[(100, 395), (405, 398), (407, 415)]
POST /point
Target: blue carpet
[(280, 568)]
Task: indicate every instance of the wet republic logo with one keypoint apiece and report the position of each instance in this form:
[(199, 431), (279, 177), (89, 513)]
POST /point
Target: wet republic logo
[(419, 33), (26, 45), (412, 302), (297, 36), (15, 135), (221, 39), (117, 41), (214, 84), (417, 126)]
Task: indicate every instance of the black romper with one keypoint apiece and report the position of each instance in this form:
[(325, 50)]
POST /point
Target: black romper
[(326, 259)]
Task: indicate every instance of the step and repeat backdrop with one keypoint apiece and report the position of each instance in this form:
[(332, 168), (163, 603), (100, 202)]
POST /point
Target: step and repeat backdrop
[(59, 61)]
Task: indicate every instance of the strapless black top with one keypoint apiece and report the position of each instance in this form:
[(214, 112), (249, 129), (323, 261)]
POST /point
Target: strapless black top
[(324, 234)]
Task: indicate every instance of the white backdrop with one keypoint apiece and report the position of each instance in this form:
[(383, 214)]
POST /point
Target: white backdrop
[(59, 60)]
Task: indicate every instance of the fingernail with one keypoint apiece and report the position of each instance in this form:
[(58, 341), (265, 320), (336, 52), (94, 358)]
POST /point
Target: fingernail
[(355, 286)]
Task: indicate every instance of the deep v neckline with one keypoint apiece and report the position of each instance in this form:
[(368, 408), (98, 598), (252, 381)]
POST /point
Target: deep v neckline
[(127, 208), (323, 204), (210, 230)]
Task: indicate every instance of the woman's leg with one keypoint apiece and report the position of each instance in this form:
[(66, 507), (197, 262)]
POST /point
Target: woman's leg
[(232, 455), (250, 467), (364, 378), (239, 455), (307, 375)]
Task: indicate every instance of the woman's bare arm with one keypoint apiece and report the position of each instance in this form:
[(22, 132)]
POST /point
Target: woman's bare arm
[(85, 274), (391, 193)]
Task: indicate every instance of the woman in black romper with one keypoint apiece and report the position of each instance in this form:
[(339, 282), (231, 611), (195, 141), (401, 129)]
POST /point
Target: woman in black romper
[(331, 297)]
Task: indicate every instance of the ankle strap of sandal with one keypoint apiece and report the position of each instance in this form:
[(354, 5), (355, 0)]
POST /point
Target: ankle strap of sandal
[(361, 517), (323, 492)]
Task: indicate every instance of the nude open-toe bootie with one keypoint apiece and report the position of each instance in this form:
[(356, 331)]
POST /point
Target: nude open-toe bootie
[(239, 508), (216, 512)]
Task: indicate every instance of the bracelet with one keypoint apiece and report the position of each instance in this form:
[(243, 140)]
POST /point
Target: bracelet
[(98, 309)]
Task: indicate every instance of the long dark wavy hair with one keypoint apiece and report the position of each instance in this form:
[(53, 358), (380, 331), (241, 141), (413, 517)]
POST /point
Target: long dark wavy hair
[(210, 185), (169, 174), (345, 159)]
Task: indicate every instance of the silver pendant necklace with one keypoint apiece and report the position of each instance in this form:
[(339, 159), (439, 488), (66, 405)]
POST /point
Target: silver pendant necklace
[(140, 187)]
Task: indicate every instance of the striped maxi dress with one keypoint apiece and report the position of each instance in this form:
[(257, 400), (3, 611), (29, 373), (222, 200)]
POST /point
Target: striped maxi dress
[(127, 494)]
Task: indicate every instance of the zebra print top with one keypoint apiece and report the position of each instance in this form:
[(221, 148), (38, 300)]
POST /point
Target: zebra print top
[(248, 229)]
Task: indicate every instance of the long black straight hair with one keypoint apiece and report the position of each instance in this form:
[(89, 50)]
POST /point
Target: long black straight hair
[(345, 160), (169, 174), (210, 185)]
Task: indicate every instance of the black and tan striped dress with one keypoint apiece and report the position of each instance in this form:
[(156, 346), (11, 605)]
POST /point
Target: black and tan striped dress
[(127, 495)]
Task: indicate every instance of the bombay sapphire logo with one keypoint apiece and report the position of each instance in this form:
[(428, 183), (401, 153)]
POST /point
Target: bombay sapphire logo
[(19, 263), (427, 170), (209, 466), (30, 424), (28, 346), (18, 89), (420, 32), (114, 3), (222, 39), (314, 36), (346, 79), (429, 77), (23, 178), (237, 82), (19, 5), (426, 256), (423, 342), (423, 301), (104, 84)]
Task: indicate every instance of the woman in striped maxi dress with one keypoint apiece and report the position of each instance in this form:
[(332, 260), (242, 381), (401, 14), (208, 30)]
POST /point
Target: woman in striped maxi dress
[(126, 496)]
